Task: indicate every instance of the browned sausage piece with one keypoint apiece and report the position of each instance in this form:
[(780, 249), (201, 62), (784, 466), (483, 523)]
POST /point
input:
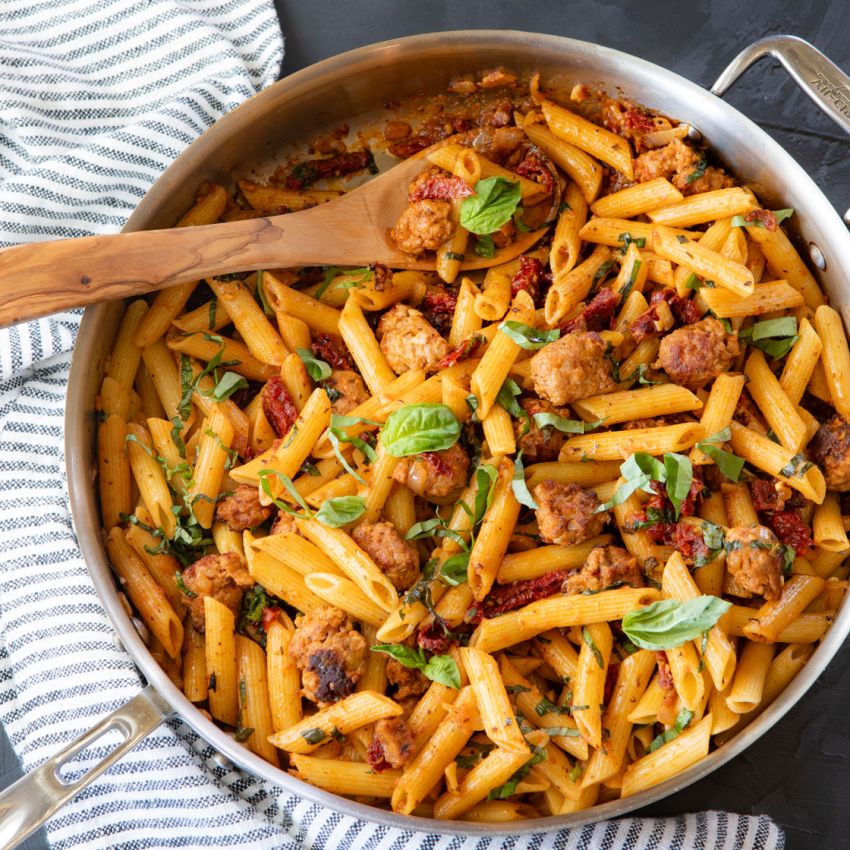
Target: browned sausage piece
[(572, 368), (423, 226), (410, 682), (539, 444), (242, 509), (284, 523), (696, 354), (754, 559), (436, 476), (347, 391), (565, 513), (221, 576), (329, 653), (392, 554), (682, 165), (396, 740), (409, 341), (830, 450), (606, 566)]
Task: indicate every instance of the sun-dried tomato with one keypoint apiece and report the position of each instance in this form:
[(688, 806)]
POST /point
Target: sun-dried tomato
[(466, 349), (684, 311), (375, 756), (765, 495), (597, 315), (766, 217), (789, 527), (343, 163), (665, 674), (527, 277), (332, 350), (439, 305), (533, 168), (645, 325), (509, 597), (442, 188), (278, 406), (270, 615)]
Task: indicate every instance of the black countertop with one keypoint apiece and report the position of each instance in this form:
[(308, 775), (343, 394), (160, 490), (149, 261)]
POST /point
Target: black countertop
[(798, 773)]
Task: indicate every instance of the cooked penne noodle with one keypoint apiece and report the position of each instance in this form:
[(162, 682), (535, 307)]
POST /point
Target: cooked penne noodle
[(356, 779), (195, 677), (254, 709), (580, 166), (573, 286), (702, 207), (213, 458), (521, 566), (220, 652), (747, 687), (775, 615), (661, 400), (613, 232), (638, 199), (620, 444), (589, 687), (835, 357), (719, 409), (207, 346), (317, 316), (284, 678), (364, 348), (779, 411)]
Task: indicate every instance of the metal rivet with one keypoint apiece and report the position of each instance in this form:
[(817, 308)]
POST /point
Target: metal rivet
[(847, 218), (222, 761), (817, 256), (694, 134)]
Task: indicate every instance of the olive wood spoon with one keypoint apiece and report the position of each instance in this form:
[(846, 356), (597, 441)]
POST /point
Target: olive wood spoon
[(352, 230)]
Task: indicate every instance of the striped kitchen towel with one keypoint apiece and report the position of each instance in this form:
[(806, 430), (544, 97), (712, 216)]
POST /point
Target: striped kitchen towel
[(96, 98)]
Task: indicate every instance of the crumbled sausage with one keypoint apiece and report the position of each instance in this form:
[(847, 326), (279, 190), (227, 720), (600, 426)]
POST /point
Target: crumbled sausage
[(392, 554), (696, 354), (754, 561), (221, 576), (242, 509), (606, 566), (409, 342), (683, 166), (329, 653), (830, 450), (539, 444), (409, 682), (435, 476), (347, 390), (284, 523), (423, 226), (394, 741), (572, 368), (566, 513)]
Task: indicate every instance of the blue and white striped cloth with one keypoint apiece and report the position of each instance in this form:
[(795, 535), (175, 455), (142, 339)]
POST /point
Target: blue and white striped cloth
[(96, 98)]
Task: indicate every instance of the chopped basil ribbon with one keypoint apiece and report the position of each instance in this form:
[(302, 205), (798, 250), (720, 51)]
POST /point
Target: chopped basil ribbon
[(520, 488), (675, 471), (314, 735), (455, 569), (340, 510), (797, 467), (776, 337), (416, 428), (266, 474), (507, 398), (729, 464), (491, 207), (437, 668), (683, 718), (485, 479), (565, 426), (337, 435), (527, 337), (669, 622), (627, 239), (228, 384), (484, 246), (317, 369), (509, 788), (779, 215), (359, 277), (261, 293), (591, 645)]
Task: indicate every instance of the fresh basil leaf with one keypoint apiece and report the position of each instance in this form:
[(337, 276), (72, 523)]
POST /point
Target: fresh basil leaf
[(527, 337), (317, 369), (341, 510), (669, 623), (492, 206), (680, 475), (443, 669), (228, 384), (729, 464), (693, 282), (517, 689), (776, 337), (779, 215), (683, 718), (455, 569), (484, 246), (337, 434), (361, 275), (789, 555), (485, 478), (507, 398), (565, 426), (416, 428), (439, 668), (587, 637), (520, 488)]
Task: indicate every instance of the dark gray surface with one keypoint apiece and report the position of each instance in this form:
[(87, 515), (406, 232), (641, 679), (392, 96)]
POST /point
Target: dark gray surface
[(799, 772)]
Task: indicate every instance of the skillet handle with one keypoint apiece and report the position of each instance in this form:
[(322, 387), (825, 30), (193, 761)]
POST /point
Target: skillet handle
[(27, 805), (823, 81)]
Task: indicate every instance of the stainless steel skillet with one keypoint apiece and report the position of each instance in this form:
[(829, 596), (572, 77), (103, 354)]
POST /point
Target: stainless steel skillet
[(351, 87)]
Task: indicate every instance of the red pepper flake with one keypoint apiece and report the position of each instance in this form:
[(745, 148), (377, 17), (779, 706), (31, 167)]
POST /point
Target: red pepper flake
[(278, 406), (442, 188), (637, 121)]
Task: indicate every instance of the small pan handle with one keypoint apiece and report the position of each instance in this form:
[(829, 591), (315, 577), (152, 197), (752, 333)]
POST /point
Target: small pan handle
[(823, 81), (26, 805)]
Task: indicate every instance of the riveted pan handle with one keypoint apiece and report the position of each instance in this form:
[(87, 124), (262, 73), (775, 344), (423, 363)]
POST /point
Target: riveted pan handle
[(823, 81), (26, 805)]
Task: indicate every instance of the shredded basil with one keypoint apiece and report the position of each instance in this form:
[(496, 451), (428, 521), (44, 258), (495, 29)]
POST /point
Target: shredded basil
[(437, 668), (669, 623), (527, 337), (683, 718), (341, 510)]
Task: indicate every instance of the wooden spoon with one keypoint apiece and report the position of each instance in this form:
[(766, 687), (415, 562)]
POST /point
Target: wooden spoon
[(352, 230)]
